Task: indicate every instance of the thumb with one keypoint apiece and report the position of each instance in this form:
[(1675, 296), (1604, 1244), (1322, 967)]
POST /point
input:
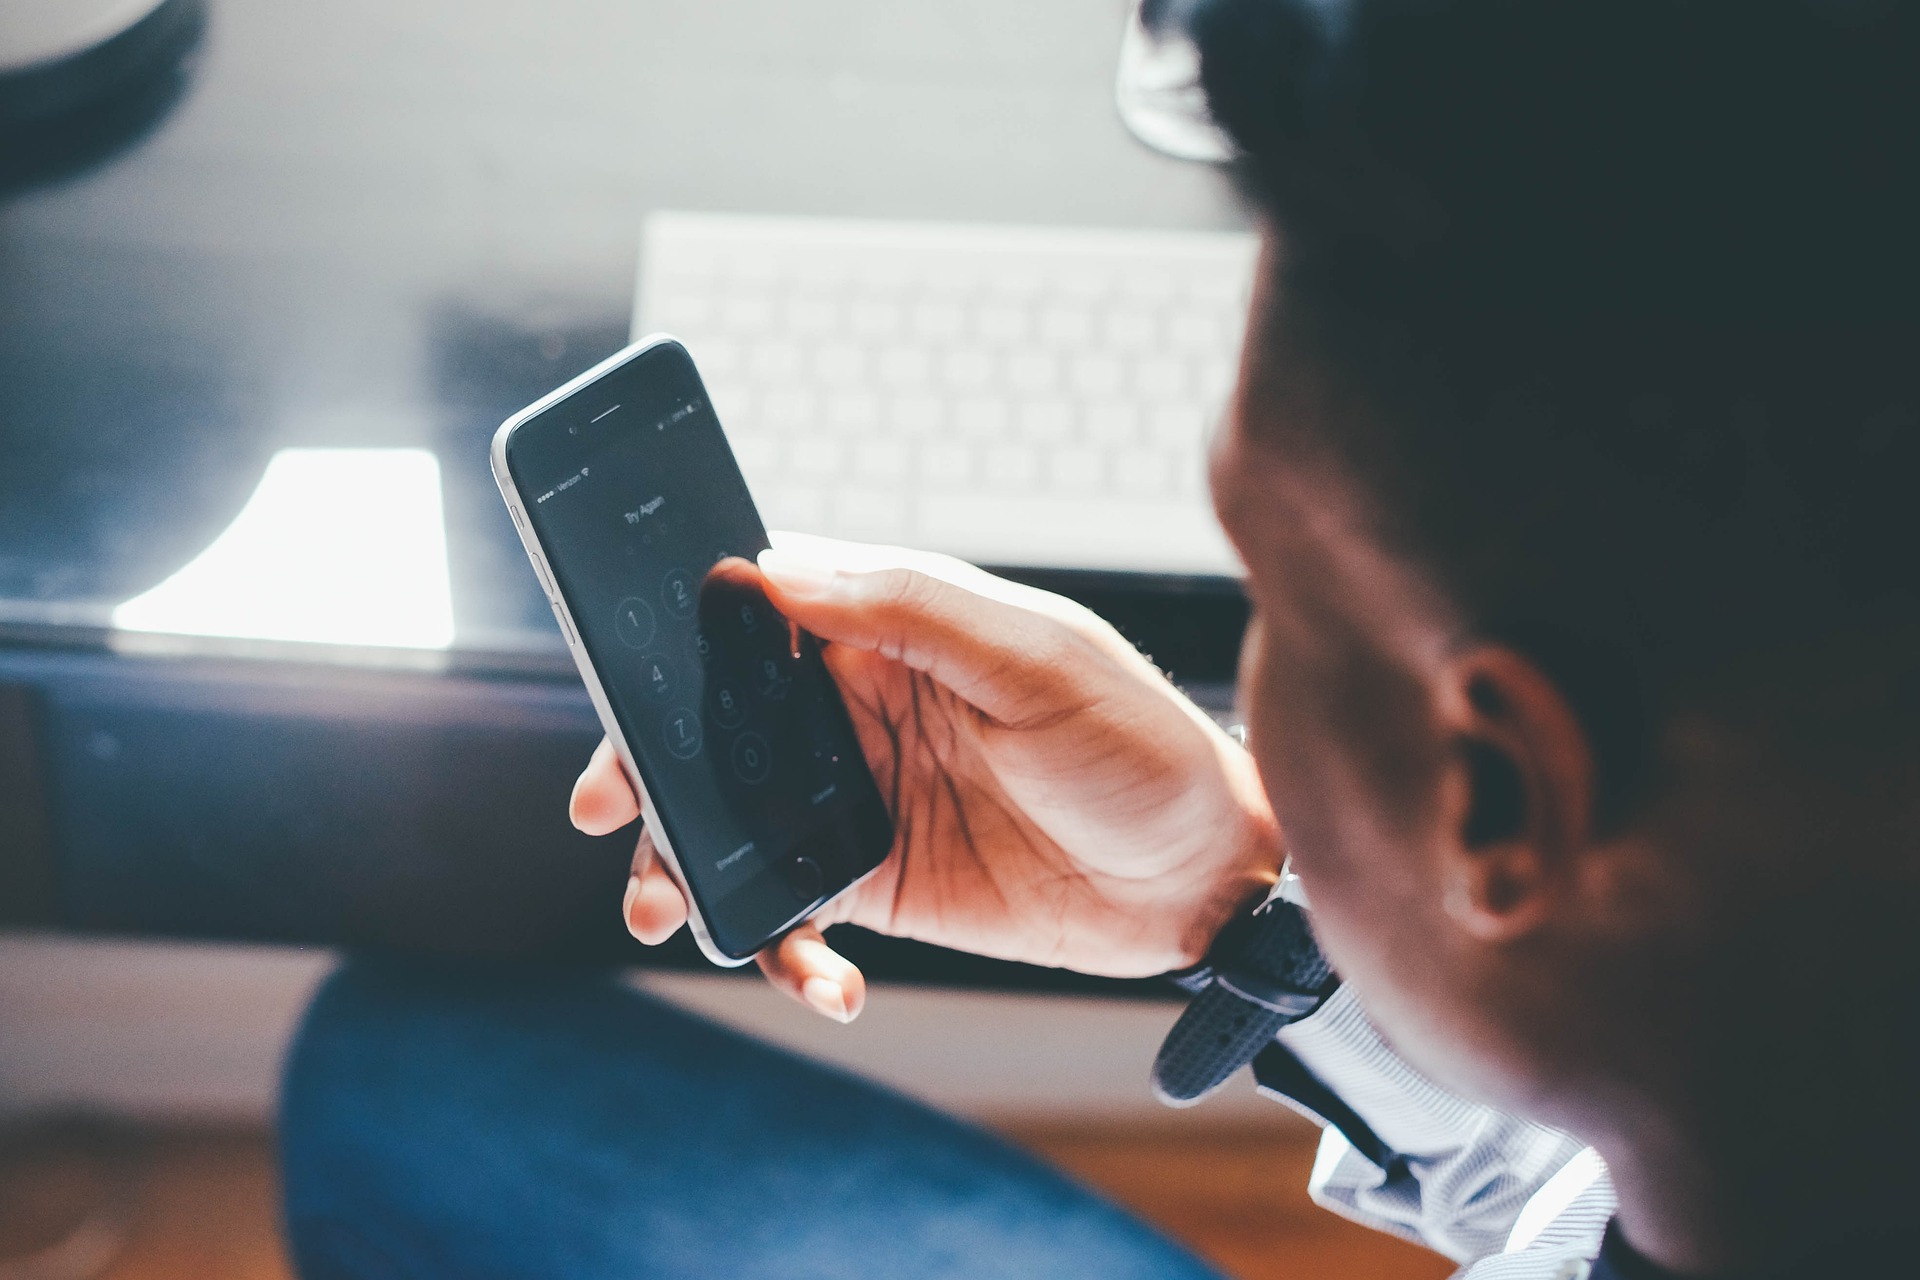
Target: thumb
[(805, 966), (1017, 660)]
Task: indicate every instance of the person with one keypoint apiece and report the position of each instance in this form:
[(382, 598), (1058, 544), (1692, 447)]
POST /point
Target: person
[(1570, 462)]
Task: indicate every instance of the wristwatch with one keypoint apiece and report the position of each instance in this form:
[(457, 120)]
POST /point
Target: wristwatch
[(1262, 972)]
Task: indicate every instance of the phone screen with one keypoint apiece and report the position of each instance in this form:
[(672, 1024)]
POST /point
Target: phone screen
[(737, 729)]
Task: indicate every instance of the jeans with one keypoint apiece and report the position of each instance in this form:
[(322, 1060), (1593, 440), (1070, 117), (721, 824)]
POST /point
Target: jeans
[(445, 1125)]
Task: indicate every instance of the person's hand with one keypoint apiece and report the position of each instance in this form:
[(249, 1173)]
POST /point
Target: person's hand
[(1056, 800)]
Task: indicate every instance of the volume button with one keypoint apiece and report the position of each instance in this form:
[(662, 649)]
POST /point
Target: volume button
[(566, 629), (541, 570)]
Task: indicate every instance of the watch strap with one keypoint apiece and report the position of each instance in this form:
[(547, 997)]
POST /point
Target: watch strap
[(1264, 971)]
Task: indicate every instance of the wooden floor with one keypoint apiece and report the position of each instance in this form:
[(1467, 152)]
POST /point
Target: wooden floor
[(1238, 1201), (199, 1204)]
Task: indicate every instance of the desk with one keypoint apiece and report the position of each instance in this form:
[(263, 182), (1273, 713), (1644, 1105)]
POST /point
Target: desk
[(386, 225)]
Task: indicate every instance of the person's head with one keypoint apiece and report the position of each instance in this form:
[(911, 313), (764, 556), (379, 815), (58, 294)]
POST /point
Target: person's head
[(1576, 466)]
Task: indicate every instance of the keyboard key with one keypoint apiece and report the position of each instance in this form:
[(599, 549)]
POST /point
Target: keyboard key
[(786, 505), (1217, 290), (732, 403), (813, 317), (1149, 284), (685, 312), (939, 321), (1095, 375), (1195, 331), (840, 364), (1144, 472), (1076, 469), (817, 457), (758, 453), (789, 410), (1066, 326), (852, 413), (747, 316), (1003, 324), (881, 459), (773, 362), (1045, 420), (761, 267), (1081, 285), (872, 514), (1111, 423), (1020, 282), (966, 369), (717, 359), (982, 418), (1011, 467), (1129, 330), (947, 277), (1215, 378), (904, 368), (946, 463), (825, 273), (875, 320), (1179, 426), (917, 415), (1190, 474), (1032, 373), (1160, 377)]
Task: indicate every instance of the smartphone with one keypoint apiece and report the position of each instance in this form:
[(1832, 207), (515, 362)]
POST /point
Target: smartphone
[(728, 724)]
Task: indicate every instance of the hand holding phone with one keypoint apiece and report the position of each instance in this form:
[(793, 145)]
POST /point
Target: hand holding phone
[(725, 724), (1057, 800)]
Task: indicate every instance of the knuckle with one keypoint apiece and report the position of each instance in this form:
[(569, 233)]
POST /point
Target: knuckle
[(904, 590)]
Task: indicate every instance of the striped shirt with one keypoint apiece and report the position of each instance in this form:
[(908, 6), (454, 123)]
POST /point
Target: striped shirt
[(1507, 1199)]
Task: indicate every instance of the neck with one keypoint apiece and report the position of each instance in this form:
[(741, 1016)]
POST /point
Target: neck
[(1747, 1070), (1677, 1217), (1740, 1177), (1676, 1211)]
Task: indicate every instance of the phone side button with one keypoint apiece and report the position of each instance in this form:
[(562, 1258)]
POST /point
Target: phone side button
[(566, 629)]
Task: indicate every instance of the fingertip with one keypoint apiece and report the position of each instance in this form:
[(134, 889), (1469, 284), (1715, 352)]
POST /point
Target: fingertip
[(653, 908), (626, 904), (580, 809), (853, 991), (795, 575), (804, 966), (826, 996), (602, 801)]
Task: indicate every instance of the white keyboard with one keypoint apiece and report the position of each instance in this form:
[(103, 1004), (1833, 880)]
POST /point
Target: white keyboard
[(1009, 395)]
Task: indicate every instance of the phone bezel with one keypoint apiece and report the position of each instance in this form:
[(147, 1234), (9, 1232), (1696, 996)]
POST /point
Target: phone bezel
[(596, 691)]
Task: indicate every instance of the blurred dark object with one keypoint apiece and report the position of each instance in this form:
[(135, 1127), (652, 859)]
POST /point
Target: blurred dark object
[(1190, 627), (69, 1195), (270, 802), (81, 80), (27, 883)]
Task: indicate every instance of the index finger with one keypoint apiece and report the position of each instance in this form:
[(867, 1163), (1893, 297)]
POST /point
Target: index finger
[(1015, 654), (603, 799)]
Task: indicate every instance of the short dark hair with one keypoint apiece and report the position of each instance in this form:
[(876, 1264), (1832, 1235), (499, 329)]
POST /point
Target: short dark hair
[(1631, 289)]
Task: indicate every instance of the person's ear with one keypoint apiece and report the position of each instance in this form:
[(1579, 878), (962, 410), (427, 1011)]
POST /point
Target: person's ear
[(1521, 796)]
